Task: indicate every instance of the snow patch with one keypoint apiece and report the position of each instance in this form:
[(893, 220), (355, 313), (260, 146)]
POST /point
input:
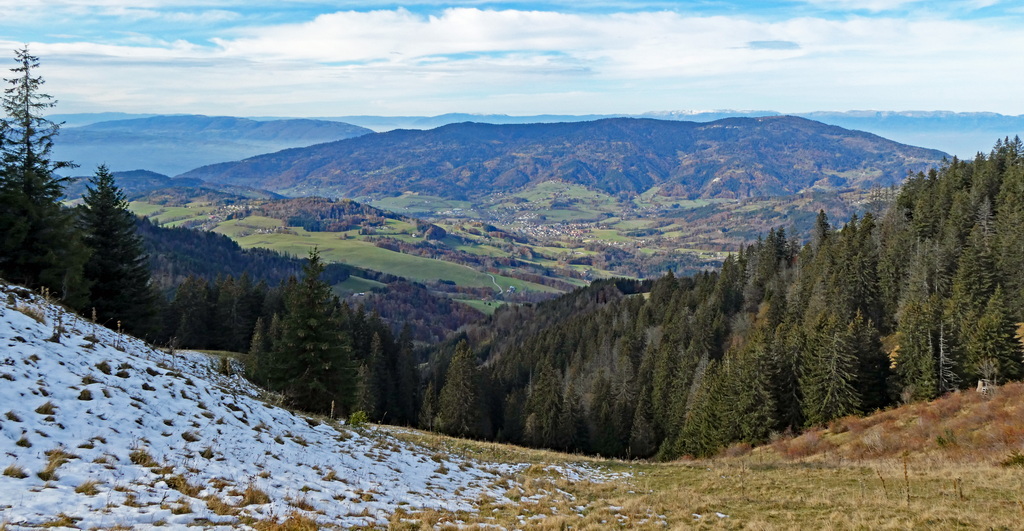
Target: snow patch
[(111, 432)]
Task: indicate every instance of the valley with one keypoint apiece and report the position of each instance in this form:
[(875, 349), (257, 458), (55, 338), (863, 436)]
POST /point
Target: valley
[(522, 246)]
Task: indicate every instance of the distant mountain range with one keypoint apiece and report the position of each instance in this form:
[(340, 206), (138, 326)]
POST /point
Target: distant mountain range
[(729, 158), (140, 183), (960, 134), (175, 144)]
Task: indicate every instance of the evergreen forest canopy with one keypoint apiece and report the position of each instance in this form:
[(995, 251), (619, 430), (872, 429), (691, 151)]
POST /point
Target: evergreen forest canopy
[(923, 301)]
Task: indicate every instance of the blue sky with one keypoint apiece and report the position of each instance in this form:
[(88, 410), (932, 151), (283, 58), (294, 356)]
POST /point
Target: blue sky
[(427, 57)]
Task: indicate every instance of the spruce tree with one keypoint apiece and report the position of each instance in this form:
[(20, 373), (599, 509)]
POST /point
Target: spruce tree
[(829, 382), (544, 408), (189, 314), (459, 404), (992, 351), (313, 368), (117, 268), (407, 380), (39, 245)]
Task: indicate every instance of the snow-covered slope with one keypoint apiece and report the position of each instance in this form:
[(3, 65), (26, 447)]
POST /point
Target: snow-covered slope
[(103, 431)]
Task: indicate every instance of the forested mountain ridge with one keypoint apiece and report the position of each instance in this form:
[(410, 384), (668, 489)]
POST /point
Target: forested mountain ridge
[(920, 302), (730, 158)]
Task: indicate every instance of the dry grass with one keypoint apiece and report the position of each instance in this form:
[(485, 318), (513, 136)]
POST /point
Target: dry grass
[(964, 426), (61, 520), (296, 521), (253, 495), (303, 504), (221, 507), (34, 312), (182, 485), (141, 457), (15, 471), (55, 458), (89, 487), (951, 463)]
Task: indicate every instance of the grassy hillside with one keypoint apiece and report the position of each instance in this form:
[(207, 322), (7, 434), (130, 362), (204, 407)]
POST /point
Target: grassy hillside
[(952, 463)]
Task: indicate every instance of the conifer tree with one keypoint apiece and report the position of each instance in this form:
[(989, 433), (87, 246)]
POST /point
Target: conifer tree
[(992, 351), (642, 442), (459, 404), (574, 422), (544, 408), (602, 418), (407, 380), (913, 360), (313, 365), (40, 246), (117, 269), (189, 314), (829, 382), (428, 408), (375, 380), (752, 404)]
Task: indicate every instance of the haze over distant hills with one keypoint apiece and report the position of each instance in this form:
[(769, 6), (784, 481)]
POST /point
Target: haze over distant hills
[(729, 158), (175, 144)]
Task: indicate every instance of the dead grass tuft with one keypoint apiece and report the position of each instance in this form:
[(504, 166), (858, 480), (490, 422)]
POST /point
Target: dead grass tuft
[(303, 504), (89, 487), (253, 495), (180, 484), (141, 457), (55, 458), (221, 507), (15, 471), (34, 312), (61, 520), (296, 521)]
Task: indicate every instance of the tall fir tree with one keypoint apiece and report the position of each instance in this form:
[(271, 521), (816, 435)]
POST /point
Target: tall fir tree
[(459, 406), (829, 381), (544, 408), (118, 268), (313, 358), (40, 246)]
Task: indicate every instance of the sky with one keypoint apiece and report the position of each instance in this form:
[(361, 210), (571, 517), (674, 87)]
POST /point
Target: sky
[(429, 57)]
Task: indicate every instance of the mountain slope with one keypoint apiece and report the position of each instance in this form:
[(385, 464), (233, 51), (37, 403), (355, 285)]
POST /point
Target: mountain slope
[(173, 144), (730, 158), (108, 432)]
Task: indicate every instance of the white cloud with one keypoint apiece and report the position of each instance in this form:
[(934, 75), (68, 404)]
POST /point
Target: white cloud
[(467, 59)]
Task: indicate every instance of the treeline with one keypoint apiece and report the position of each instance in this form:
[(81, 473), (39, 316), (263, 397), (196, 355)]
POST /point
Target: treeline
[(917, 303)]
